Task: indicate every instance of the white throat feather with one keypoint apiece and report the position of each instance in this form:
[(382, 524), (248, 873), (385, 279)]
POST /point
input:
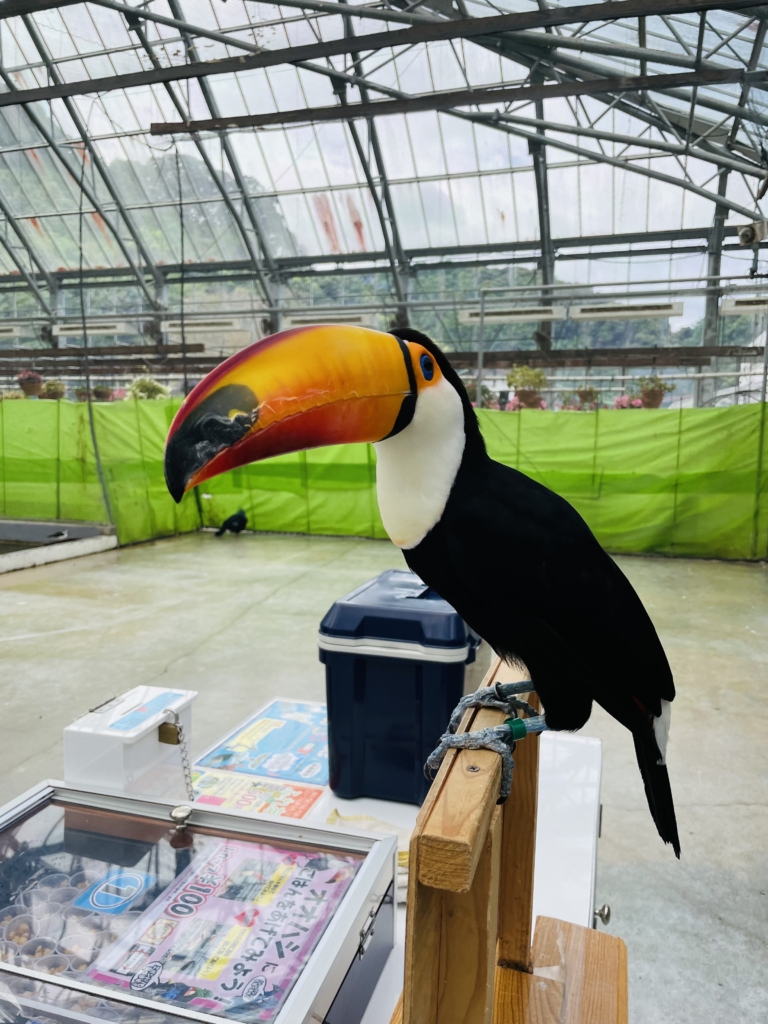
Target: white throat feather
[(416, 468)]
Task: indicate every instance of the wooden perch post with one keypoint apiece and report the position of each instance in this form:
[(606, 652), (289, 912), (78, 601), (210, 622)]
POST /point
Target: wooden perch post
[(468, 955)]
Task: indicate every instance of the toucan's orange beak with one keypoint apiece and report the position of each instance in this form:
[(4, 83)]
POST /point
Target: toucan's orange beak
[(299, 389)]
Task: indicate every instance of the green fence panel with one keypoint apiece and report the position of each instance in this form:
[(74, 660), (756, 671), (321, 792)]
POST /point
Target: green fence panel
[(30, 458), (48, 464), (688, 482), (718, 496), (80, 490)]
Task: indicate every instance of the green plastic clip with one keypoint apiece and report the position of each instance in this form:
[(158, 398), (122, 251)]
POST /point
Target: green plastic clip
[(517, 728)]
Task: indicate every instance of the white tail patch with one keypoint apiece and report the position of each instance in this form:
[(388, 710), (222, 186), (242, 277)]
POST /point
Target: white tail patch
[(661, 728)]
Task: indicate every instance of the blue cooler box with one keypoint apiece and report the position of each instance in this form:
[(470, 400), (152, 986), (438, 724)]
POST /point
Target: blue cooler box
[(394, 655)]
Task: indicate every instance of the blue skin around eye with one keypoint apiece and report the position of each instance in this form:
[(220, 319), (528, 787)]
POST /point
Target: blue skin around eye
[(427, 367)]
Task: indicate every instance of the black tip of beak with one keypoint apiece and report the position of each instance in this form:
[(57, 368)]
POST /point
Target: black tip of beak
[(207, 430), (176, 476)]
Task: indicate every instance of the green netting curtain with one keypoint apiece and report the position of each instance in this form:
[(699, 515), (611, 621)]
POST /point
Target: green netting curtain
[(685, 482)]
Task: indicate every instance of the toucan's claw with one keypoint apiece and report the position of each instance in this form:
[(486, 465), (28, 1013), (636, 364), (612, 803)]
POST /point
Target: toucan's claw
[(499, 697)]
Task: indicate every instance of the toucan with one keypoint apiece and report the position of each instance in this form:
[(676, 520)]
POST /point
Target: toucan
[(568, 613)]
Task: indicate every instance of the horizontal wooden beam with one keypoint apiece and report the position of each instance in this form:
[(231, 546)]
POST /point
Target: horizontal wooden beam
[(683, 355), (25, 355), (461, 28), (463, 98)]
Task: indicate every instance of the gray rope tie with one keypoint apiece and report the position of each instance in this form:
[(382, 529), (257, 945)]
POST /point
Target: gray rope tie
[(501, 739), (497, 738)]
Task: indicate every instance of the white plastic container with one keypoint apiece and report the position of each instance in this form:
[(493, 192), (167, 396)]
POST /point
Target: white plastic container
[(113, 746)]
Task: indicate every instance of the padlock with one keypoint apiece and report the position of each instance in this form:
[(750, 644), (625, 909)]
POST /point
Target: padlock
[(168, 732)]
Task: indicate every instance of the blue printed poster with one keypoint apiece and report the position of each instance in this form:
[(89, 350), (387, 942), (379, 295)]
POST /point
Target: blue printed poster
[(285, 740), (115, 892)]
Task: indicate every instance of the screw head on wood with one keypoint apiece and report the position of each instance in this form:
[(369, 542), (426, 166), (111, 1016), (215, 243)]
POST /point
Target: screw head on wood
[(473, 768)]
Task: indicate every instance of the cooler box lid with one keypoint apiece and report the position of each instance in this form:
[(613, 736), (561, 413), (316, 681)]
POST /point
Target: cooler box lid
[(397, 614)]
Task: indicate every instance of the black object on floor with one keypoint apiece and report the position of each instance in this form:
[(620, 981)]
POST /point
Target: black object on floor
[(236, 523), (394, 655)]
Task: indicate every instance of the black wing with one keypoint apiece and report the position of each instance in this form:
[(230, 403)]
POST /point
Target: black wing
[(521, 566)]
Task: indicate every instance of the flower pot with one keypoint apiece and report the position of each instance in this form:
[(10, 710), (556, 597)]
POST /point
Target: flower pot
[(31, 388), (102, 394), (652, 398), (528, 399)]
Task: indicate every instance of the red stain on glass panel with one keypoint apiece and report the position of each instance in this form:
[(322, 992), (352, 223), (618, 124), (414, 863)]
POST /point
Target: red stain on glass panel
[(357, 222), (327, 223)]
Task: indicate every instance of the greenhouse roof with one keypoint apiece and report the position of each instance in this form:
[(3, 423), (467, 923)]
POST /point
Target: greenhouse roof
[(541, 130)]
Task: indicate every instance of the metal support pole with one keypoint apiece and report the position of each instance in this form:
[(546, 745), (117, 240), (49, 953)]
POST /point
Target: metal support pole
[(135, 26), (480, 343), (538, 151), (384, 210), (714, 263)]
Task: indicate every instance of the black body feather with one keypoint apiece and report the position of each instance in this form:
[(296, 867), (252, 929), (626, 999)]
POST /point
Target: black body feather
[(567, 612)]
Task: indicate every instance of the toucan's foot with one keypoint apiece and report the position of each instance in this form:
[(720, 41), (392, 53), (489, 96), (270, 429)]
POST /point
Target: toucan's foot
[(506, 690), (497, 738), (499, 697)]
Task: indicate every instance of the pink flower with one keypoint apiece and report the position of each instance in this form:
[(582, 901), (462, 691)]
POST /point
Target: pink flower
[(543, 404), (118, 394), (621, 402), (513, 404), (636, 403)]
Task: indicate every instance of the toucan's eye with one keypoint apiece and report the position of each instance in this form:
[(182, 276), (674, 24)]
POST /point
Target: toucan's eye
[(427, 367)]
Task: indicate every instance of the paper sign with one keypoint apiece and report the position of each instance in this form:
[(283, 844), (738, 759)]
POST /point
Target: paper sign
[(232, 933), (141, 714), (286, 740), (233, 792)]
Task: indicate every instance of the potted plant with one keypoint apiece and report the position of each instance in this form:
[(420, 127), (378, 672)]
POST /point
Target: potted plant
[(53, 390), (146, 387), (652, 390), (528, 383), (490, 399), (8, 395), (30, 382), (102, 392), (627, 402), (81, 394), (588, 397)]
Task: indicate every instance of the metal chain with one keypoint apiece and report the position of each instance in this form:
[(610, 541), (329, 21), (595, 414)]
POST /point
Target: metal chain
[(185, 765)]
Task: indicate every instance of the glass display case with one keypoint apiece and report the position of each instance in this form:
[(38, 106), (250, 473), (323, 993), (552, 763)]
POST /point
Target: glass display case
[(137, 911)]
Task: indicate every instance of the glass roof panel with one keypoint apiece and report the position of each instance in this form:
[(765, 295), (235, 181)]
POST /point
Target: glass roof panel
[(435, 163), (411, 216)]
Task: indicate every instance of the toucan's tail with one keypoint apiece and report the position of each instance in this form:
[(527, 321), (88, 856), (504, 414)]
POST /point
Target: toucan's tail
[(659, 793)]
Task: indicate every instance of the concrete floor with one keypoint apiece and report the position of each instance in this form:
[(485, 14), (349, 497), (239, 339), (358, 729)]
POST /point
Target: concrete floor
[(236, 619)]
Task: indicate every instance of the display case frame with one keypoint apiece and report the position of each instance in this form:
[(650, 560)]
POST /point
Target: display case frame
[(340, 944)]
